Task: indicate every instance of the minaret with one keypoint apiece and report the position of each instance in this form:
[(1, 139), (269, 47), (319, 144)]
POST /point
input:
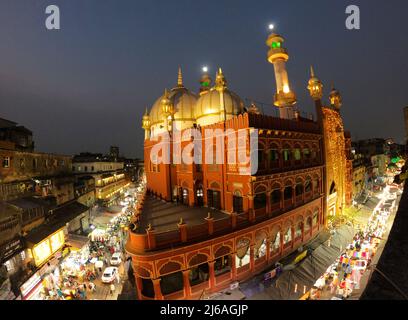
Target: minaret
[(335, 99), (146, 124), (284, 98), (220, 86), (167, 109), (315, 87), (205, 82)]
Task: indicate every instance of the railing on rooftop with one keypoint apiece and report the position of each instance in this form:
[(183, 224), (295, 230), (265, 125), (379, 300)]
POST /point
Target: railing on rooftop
[(185, 233)]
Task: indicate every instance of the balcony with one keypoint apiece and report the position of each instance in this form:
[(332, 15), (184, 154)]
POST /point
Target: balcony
[(196, 225)]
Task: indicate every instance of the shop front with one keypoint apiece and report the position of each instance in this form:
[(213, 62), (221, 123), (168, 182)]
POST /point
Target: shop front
[(46, 248), (32, 289)]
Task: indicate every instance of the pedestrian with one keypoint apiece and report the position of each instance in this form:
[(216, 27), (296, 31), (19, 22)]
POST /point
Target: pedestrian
[(112, 289)]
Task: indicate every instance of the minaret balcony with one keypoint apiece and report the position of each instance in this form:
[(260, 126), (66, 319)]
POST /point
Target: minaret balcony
[(282, 99), (277, 53)]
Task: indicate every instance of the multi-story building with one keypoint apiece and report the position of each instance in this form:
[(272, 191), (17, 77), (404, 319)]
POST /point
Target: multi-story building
[(230, 220), (38, 210), (109, 175), (19, 135)]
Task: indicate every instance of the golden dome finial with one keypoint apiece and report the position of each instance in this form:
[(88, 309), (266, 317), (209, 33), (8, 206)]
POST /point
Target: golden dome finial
[(335, 98), (180, 78), (315, 86), (312, 74), (146, 120), (220, 81)]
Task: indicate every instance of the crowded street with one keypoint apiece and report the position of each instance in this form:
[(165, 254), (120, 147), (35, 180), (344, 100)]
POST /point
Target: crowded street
[(98, 270), (344, 276)]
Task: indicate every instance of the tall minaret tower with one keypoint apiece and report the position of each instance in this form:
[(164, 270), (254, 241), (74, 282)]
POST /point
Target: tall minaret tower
[(284, 98), (146, 124)]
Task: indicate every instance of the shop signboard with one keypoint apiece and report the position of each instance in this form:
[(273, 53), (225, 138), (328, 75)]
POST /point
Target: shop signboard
[(11, 248)]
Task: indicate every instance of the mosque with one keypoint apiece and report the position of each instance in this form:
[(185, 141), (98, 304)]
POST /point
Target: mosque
[(205, 226)]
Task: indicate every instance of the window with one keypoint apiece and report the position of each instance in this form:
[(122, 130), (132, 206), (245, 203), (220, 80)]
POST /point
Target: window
[(288, 236), (316, 217), (308, 186), (297, 155), (306, 154), (86, 169), (299, 189), (238, 205), (275, 243), (288, 193), (275, 197), (273, 155), (286, 155), (298, 232), (6, 162), (260, 201), (22, 163), (34, 163)]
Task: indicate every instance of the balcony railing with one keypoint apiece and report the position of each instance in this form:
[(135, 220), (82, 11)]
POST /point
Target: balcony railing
[(188, 234)]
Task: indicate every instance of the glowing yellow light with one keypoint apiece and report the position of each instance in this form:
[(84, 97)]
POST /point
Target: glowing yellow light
[(205, 69), (286, 88), (271, 27)]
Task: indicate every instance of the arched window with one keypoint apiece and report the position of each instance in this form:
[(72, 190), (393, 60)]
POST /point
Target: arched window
[(297, 154), (316, 186), (316, 217), (298, 231), (309, 224), (275, 197), (273, 155), (287, 237), (260, 245), (287, 155), (260, 201), (238, 202), (306, 153), (243, 256), (299, 188), (275, 243), (288, 193), (308, 185)]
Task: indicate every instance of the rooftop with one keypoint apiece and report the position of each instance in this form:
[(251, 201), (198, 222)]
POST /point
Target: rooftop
[(59, 219), (164, 216)]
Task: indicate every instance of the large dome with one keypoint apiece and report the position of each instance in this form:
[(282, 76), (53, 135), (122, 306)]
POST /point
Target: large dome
[(208, 107), (183, 101)]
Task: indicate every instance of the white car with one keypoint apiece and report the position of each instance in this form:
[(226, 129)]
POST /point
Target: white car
[(109, 275), (116, 259)]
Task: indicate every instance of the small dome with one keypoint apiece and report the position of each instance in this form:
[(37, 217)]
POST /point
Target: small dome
[(208, 108)]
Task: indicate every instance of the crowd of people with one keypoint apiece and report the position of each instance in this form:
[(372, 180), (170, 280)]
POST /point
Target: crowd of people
[(344, 276), (76, 278)]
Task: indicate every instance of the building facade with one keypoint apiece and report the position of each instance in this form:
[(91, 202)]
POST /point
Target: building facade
[(231, 222)]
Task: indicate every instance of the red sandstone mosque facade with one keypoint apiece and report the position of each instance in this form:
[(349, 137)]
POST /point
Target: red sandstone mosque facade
[(205, 226)]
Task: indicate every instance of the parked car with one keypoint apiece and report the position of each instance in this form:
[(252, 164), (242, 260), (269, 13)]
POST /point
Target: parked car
[(109, 275), (116, 259)]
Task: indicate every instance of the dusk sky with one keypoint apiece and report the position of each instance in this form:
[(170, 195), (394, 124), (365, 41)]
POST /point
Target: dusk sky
[(85, 87)]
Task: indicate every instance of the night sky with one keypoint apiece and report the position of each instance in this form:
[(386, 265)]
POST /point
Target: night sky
[(85, 87)]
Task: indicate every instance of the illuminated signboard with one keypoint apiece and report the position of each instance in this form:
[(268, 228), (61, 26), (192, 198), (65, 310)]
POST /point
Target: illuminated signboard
[(48, 247)]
